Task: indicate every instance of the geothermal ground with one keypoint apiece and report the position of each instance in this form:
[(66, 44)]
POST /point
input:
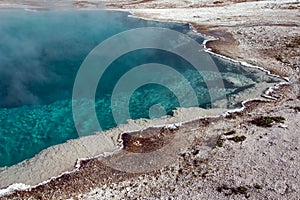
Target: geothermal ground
[(252, 154)]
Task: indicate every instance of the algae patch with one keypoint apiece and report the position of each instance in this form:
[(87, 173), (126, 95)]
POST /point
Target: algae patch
[(267, 121)]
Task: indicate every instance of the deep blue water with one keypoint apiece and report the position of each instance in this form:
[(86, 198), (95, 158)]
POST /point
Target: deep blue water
[(40, 54)]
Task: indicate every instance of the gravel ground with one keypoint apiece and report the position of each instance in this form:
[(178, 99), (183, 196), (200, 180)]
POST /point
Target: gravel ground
[(264, 165)]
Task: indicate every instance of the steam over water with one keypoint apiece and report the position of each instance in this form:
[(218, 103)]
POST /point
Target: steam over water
[(40, 54)]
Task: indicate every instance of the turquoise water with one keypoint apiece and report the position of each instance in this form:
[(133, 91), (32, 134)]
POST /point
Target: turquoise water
[(40, 54)]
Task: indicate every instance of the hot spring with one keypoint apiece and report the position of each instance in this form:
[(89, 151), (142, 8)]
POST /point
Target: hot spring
[(41, 53)]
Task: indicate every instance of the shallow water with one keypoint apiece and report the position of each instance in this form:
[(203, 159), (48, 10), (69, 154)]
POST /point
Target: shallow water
[(40, 54)]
